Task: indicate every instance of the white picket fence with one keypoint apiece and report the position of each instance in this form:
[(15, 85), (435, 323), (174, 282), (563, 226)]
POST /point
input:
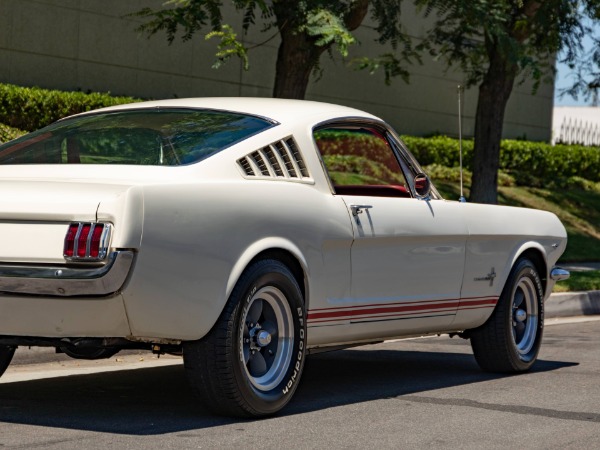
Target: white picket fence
[(576, 125)]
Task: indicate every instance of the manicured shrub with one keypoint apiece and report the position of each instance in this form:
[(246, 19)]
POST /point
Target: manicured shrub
[(8, 133), (440, 150), (32, 108), (529, 163)]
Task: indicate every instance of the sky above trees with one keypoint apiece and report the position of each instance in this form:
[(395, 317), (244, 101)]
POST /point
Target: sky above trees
[(564, 79)]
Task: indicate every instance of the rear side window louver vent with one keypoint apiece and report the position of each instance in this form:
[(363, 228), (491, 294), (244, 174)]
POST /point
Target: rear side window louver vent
[(260, 162), (280, 160), (246, 167), (297, 156)]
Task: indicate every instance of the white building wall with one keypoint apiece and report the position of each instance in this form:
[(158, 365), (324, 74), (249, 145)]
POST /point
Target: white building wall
[(91, 45)]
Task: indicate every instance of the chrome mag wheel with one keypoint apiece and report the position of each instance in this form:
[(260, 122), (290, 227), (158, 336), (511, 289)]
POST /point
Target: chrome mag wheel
[(251, 362), (509, 341), (266, 338), (524, 315)]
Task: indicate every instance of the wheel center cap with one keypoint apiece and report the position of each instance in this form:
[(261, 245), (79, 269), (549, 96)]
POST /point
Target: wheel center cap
[(263, 338), (520, 315)]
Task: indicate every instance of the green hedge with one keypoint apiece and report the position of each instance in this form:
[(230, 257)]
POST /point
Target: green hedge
[(32, 108), (530, 163), (8, 133)]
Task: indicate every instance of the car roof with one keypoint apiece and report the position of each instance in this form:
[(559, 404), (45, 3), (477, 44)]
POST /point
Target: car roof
[(280, 110)]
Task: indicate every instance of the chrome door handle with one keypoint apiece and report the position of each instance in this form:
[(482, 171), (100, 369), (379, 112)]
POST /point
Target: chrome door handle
[(358, 209)]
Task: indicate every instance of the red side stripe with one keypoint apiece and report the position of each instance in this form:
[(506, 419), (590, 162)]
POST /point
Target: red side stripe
[(348, 312), (392, 309)]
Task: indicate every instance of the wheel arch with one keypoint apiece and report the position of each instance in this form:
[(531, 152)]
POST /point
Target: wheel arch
[(279, 249), (536, 254)]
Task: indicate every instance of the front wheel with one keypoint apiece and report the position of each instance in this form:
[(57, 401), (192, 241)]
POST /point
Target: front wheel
[(6, 355), (510, 340), (250, 363)]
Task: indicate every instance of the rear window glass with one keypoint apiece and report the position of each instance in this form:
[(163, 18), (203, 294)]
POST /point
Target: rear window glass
[(169, 137)]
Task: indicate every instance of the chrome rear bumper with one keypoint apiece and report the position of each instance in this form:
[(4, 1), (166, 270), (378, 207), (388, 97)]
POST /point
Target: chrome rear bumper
[(63, 281)]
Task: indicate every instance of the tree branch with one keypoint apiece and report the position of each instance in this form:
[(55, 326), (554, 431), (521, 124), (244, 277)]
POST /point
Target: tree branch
[(355, 16)]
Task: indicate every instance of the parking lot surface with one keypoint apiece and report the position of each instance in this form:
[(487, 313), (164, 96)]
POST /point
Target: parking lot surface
[(399, 394)]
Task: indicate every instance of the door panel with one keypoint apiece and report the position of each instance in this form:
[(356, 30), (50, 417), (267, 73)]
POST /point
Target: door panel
[(406, 246), (407, 267), (408, 255)]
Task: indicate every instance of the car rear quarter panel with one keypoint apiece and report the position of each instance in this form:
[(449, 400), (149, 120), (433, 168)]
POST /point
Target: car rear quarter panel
[(199, 236)]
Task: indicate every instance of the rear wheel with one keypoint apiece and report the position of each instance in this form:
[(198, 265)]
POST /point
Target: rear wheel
[(510, 340), (250, 364), (6, 355)]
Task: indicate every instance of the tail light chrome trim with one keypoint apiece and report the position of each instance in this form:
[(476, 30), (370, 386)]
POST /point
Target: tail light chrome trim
[(87, 241)]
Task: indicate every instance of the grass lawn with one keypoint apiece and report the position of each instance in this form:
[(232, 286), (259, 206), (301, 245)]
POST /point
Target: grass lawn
[(580, 281)]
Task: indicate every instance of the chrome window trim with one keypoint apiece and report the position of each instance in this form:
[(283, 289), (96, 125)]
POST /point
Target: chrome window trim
[(359, 122), (64, 281)]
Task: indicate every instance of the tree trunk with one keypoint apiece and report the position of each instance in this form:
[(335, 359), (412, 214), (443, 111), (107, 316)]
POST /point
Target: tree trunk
[(296, 59), (494, 93), (298, 54)]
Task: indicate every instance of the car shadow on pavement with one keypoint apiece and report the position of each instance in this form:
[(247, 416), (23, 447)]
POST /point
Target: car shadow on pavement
[(158, 401)]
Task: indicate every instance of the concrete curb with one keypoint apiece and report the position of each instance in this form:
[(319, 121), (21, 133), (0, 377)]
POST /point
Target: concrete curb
[(569, 304)]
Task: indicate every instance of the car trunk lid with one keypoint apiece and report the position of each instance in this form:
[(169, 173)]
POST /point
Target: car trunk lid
[(35, 215)]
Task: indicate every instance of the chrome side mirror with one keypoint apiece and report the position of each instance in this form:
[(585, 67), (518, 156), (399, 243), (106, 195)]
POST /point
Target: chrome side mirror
[(422, 186)]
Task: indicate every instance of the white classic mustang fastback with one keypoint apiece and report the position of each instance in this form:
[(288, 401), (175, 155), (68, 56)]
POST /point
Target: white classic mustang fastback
[(245, 234)]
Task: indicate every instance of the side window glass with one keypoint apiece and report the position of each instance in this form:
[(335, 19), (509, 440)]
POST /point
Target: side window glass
[(360, 161)]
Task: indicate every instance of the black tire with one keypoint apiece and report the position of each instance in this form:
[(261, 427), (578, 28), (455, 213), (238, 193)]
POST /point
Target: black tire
[(90, 353), (6, 355), (510, 340), (250, 363)]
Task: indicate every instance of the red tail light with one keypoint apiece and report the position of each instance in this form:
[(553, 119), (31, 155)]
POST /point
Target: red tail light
[(70, 240), (95, 240), (82, 240), (87, 241)]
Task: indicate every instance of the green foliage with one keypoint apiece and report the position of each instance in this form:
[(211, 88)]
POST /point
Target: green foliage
[(496, 43), (391, 65), (9, 133), (549, 163), (578, 210), (228, 47), (328, 29), (526, 34), (522, 163), (363, 157), (528, 163), (362, 170), (440, 150), (324, 24), (189, 15), (28, 109), (580, 281), (322, 20)]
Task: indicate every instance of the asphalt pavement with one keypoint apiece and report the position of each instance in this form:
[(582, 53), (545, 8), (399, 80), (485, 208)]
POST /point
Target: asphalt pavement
[(408, 394)]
